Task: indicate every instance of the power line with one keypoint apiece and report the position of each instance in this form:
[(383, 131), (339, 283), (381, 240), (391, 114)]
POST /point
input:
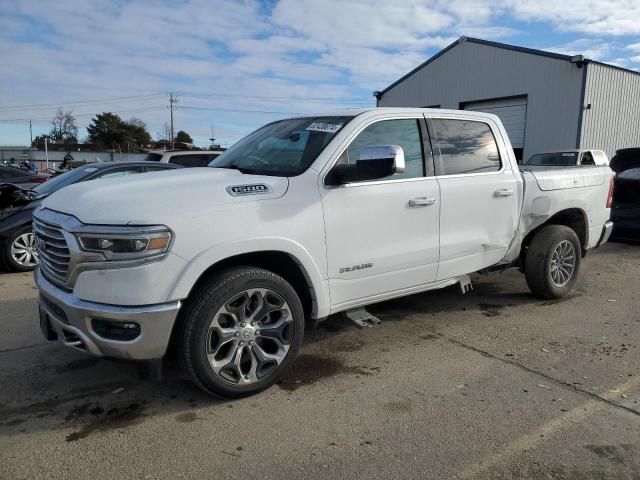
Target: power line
[(215, 109), (276, 99), (214, 95), (79, 102), (47, 119)]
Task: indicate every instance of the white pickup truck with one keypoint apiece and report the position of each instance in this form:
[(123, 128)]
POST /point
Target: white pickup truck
[(304, 218)]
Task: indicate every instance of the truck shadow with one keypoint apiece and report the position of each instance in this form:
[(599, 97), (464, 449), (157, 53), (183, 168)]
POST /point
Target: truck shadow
[(59, 389)]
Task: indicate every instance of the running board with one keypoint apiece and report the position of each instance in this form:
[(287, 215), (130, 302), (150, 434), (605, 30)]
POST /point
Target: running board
[(464, 282), (362, 318)]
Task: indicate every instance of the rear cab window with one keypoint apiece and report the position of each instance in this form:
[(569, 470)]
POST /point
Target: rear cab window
[(463, 147), (153, 157)]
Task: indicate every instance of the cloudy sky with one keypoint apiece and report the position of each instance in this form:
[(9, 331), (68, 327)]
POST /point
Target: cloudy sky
[(238, 64)]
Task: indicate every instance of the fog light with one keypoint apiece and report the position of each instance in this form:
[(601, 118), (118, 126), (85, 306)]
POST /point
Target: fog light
[(112, 330)]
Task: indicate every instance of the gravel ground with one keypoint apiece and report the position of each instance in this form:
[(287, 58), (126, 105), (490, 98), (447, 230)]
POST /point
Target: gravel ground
[(492, 384)]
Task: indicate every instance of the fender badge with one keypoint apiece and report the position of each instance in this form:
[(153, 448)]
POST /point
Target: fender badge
[(254, 189)]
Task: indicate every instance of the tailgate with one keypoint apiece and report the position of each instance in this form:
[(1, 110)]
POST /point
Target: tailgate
[(573, 177)]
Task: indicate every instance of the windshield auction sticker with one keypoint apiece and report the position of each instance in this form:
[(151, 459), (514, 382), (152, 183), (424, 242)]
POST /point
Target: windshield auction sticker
[(324, 127)]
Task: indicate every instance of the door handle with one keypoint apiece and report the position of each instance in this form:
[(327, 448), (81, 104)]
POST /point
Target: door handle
[(422, 202), (503, 192)]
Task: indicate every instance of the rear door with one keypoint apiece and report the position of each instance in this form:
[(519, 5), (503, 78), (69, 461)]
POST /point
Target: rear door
[(478, 193)]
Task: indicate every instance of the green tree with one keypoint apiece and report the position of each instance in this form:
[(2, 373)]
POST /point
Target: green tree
[(136, 134), (183, 137), (108, 130)]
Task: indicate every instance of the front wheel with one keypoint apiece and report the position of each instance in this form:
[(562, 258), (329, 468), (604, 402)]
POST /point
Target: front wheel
[(241, 332), (18, 252), (552, 261)]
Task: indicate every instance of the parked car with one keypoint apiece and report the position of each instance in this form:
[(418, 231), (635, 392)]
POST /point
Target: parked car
[(568, 158), (626, 198), (17, 252), (23, 178), (306, 217), (185, 158)]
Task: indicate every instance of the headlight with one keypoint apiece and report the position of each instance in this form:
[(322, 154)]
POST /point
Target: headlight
[(126, 243)]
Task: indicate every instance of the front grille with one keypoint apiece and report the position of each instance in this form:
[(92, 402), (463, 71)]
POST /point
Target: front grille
[(52, 249)]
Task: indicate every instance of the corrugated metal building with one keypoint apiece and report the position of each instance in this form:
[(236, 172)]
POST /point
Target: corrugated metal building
[(547, 101)]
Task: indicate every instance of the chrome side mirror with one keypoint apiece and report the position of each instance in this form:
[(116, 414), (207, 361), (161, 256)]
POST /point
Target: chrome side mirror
[(386, 153), (377, 161)]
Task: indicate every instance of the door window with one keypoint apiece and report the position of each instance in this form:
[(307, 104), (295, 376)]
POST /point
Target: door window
[(405, 133), (158, 168), (464, 146), (190, 160), (120, 172)]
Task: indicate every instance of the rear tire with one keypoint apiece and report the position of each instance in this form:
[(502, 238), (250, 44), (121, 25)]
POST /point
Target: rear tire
[(552, 261), (242, 331)]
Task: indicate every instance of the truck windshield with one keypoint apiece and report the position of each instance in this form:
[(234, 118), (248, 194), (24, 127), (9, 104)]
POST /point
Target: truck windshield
[(284, 148), (557, 159)]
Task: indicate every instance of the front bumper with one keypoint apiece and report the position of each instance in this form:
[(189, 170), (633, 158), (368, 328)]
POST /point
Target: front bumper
[(606, 233), (70, 319)]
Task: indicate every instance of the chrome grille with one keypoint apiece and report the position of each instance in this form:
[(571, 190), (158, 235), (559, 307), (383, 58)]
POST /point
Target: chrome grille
[(52, 249)]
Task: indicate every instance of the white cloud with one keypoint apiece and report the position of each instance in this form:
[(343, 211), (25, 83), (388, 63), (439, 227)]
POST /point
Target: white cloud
[(593, 49), (592, 17), (338, 50)]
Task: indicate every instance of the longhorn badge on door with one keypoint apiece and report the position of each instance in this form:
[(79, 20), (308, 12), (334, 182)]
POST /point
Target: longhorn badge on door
[(353, 268)]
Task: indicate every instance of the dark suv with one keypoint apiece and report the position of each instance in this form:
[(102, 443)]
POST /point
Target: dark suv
[(625, 211)]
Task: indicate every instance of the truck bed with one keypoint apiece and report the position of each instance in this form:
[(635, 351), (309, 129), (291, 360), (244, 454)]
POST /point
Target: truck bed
[(560, 178)]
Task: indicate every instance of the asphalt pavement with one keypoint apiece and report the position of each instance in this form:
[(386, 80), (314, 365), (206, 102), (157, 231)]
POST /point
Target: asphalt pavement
[(491, 384)]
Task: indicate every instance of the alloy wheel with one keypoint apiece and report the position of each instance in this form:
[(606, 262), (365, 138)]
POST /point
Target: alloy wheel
[(23, 251), (249, 336), (563, 263)]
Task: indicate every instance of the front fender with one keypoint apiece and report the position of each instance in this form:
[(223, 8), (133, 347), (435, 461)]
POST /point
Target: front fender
[(203, 261)]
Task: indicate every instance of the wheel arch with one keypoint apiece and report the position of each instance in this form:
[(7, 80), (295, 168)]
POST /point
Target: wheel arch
[(285, 258), (574, 218)]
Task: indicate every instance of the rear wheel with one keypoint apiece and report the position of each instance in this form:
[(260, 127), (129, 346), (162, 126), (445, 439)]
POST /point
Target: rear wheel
[(552, 261), (18, 252), (241, 332)]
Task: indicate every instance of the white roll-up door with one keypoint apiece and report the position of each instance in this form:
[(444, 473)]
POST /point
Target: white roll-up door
[(512, 112)]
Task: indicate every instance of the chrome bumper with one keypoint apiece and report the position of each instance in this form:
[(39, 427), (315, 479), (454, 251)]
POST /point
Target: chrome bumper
[(71, 320), (606, 233)]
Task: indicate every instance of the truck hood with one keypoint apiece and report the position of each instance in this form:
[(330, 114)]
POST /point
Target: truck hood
[(152, 198)]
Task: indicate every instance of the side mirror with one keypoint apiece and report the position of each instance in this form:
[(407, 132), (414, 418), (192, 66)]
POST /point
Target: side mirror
[(377, 161)]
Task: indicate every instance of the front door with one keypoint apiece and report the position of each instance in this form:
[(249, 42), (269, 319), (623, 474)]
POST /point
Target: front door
[(383, 236)]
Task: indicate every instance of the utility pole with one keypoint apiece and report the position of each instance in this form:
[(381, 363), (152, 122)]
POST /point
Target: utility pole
[(213, 135), (46, 153), (172, 100), (30, 135)]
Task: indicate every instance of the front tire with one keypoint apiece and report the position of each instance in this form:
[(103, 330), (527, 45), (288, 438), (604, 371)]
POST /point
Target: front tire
[(552, 261), (242, 331), (18, 253)]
